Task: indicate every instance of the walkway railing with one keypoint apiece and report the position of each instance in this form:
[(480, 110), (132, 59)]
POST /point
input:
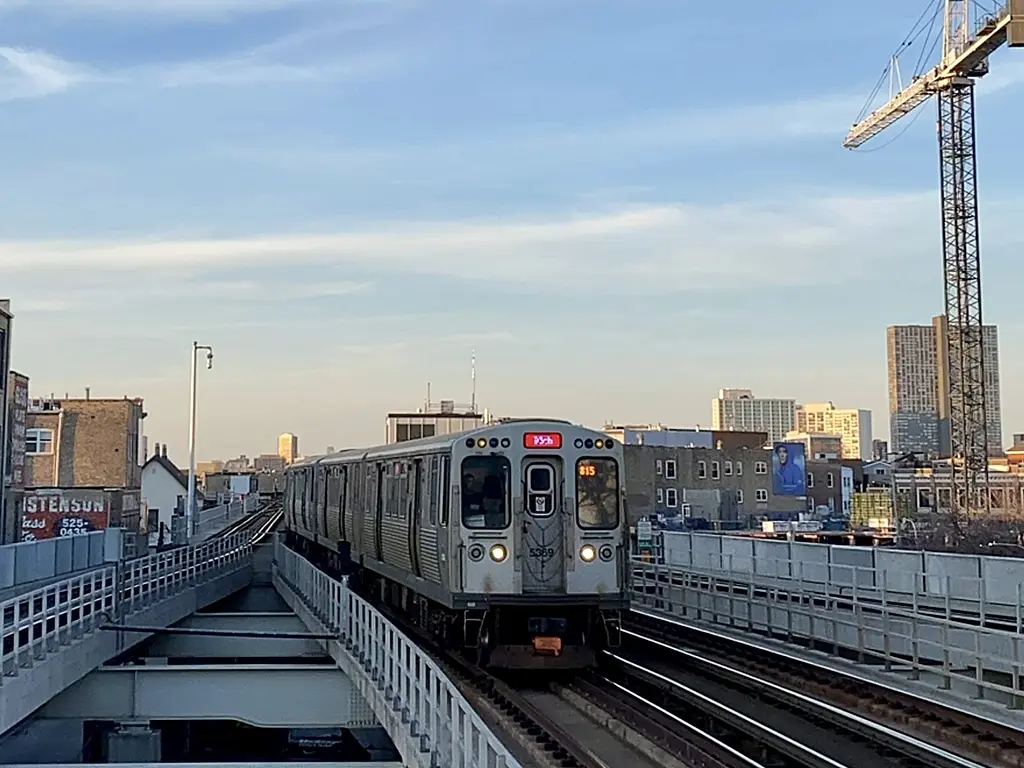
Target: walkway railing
[(429, 720), (41, 623), (920, 626), (212, 520)]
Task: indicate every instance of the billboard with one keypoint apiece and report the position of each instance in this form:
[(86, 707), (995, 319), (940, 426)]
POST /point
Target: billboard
[(16, 415), (63, 512), (789, 469)]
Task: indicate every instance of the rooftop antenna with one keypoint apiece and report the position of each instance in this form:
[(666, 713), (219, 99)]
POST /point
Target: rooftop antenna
[(472, 404), (427, 409)]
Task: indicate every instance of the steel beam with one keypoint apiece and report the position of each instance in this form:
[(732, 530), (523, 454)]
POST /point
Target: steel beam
[(271, 643), (272, 696)]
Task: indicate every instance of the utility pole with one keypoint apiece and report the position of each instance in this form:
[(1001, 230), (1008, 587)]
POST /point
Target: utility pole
[(190, 502)]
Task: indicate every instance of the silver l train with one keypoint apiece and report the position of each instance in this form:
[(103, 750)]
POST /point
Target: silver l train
[(509, 539)]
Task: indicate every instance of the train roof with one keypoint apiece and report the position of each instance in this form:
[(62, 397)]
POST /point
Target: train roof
[(426, 444)]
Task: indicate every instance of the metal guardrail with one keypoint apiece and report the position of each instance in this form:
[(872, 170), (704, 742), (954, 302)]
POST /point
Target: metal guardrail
[(43, 621), (31, 561), (212, 520), (913, 638), (983, 586), (405, 686)]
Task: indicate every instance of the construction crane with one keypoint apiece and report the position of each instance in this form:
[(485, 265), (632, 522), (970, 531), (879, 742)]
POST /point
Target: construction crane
[(967, 44)]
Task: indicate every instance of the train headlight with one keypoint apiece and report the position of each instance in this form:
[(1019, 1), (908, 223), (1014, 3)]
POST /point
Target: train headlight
[(476, 553), (587, 553), (607, 553), (498, 553)]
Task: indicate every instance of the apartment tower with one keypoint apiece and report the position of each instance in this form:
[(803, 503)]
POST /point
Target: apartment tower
[(288, 447), (737, 410), (919, 409)]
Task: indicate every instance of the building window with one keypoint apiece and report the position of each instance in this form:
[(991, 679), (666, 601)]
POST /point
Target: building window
[(657, 466), (762, 495), (739, 496), (702, 469), (661, 496), (739, 469), (38, 442), (671, 497), (810, 480), (760, 468), (830, 481), (728, 469), (670, 469), (714, 470)]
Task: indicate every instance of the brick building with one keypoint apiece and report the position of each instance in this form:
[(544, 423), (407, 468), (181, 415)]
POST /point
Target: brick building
[(14, 471), (82, 468), (731, 487), (831, 484), (76, 443)]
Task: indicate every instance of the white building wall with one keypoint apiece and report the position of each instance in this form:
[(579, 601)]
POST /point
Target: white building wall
[(847, 487), (738, 410), (160, 491)]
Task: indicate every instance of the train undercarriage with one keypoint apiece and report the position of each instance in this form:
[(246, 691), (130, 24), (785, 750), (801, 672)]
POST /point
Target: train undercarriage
[(503, 634)]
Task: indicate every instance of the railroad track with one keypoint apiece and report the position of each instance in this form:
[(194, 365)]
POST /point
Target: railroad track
[(541, 740), (782, 711), (560, 723), (260, 522)]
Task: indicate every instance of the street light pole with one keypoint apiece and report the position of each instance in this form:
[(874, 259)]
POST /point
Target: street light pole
[(190, 502)]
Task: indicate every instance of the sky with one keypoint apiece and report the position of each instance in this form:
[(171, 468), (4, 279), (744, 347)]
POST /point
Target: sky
[(621, 207)]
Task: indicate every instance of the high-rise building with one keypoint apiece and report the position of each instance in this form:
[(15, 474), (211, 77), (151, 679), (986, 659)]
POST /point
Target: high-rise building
[(853, 425), (739, 410), (288, 447), (993, 404), (919, 388)]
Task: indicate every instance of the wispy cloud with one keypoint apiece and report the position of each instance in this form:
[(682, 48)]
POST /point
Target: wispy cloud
[(257, 70), (641, 249), (1005, 74), (178, 8), (28, 74)]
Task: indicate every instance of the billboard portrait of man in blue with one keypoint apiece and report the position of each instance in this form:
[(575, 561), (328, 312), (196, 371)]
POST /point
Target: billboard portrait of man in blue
[(788, 475)]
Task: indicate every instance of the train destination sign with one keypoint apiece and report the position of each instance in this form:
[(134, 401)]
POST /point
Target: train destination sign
[(542, 440)]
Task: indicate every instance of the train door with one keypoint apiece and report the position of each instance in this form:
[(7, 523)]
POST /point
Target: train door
[(416, 501), (343, 502), (444, 531), (321, 504), (543, 554), (378, 526)]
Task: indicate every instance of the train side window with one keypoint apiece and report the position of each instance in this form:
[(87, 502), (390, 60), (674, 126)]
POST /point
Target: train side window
[(446, 490), (485, 492), (597, 494)]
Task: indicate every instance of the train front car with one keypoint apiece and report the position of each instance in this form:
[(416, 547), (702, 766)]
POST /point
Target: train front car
[(542, 543)]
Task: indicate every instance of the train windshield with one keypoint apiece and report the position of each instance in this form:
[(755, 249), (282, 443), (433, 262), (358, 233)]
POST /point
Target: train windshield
[(485, 492), (597, 493)]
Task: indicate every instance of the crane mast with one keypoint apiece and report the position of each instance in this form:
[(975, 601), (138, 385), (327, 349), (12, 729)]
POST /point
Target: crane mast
[(967, 415), (965, 53)]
